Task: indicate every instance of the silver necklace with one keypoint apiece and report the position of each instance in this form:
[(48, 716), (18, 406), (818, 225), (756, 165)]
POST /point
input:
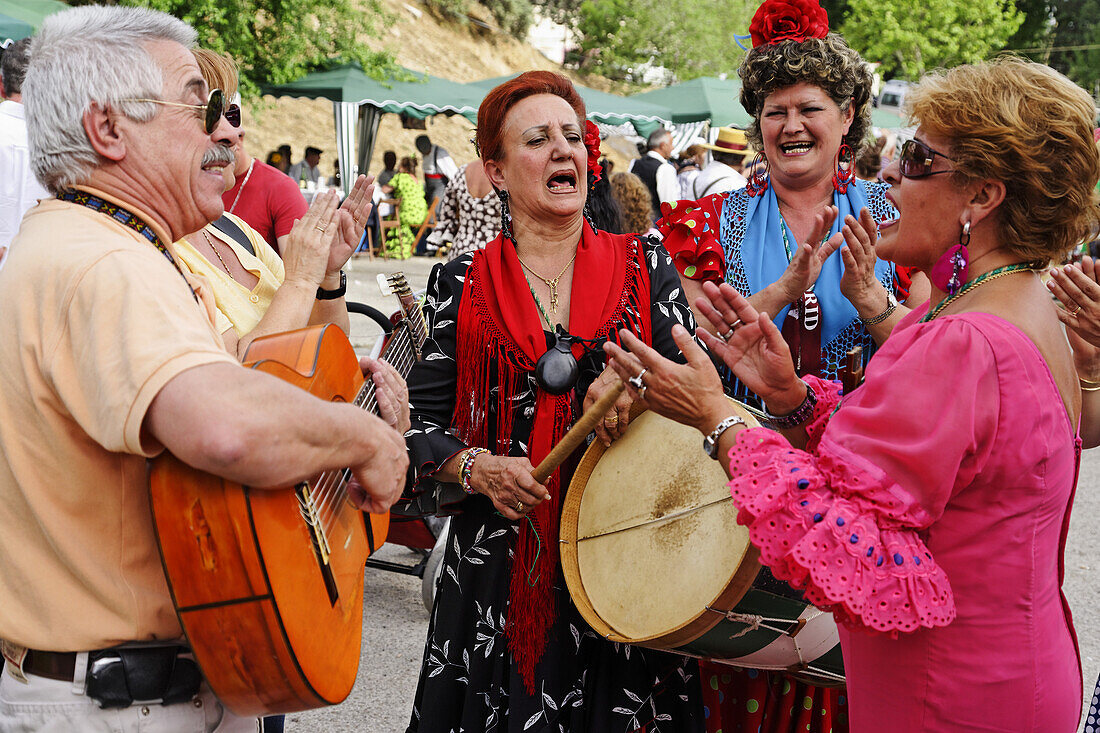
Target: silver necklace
[(243, 184)]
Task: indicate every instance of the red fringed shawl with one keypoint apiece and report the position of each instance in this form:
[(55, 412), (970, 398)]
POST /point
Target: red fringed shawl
[(500, 337)]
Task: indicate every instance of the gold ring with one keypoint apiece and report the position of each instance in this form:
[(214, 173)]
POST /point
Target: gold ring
[(1075, 312), (320, 229), (613, 420), (519, 507)]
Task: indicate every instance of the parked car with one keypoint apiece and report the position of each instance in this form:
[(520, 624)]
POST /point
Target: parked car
[(893, 95)]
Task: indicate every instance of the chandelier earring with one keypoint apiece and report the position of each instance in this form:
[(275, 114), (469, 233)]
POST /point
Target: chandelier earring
[(951, 270), (759, 173), (505, 216), (845, 169)]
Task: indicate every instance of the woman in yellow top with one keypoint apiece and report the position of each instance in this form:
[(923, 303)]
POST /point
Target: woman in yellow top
[(259, 294)]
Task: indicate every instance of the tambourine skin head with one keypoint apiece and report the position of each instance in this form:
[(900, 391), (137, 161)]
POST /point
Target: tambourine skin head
[(653, 555)]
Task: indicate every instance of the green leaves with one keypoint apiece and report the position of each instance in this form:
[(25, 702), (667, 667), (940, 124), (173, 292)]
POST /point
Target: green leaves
[(690, 38), (913, 38), (276, 41)]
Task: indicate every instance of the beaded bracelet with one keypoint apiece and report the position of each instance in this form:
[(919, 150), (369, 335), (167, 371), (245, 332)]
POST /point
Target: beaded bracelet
[(801, 414), (466, 465)]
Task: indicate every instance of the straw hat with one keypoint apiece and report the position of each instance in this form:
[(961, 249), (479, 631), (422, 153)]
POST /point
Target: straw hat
[(730, 140)]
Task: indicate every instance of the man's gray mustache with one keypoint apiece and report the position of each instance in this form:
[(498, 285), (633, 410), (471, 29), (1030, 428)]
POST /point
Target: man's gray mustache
[(219, 154)]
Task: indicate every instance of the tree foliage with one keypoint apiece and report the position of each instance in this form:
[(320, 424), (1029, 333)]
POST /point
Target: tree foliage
[(622, 38), (276, 41), (1077, 24), (912, 38)]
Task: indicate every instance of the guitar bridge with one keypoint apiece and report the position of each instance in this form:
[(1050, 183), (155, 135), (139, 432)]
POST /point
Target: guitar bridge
[(317, 535)]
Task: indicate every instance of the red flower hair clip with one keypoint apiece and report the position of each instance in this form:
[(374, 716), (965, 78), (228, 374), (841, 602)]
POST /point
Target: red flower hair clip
[(592, 142), (788, 20)]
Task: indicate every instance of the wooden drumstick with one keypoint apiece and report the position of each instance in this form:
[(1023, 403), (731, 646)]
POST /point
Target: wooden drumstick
[(577, 433)]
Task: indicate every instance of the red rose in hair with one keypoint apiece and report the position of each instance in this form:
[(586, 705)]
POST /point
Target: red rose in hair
[(592, 142), (788, 20)]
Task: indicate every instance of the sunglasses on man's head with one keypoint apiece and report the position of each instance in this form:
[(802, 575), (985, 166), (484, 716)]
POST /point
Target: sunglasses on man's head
[(916, 160), (213, 109)]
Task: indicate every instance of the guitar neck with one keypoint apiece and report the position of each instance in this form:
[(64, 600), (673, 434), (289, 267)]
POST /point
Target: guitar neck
[(400, 353)]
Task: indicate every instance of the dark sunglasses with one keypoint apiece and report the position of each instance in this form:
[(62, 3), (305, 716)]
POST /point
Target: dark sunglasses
[(557, 370), (916, 160), (233, 115), (213, 109)]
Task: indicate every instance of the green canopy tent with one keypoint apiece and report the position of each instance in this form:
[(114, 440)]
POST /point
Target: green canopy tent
[(20, 18), (359, 102), (604, 108), (706, 98), (719, 101), (13, 29)]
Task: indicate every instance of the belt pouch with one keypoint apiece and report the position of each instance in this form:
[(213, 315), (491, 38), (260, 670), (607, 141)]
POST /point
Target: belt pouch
[(120, 676)]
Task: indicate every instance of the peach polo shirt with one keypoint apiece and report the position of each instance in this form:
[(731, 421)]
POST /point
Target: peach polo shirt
[(96, 321)]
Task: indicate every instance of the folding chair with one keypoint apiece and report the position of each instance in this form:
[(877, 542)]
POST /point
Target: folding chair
[(430, 221), (390, 221)]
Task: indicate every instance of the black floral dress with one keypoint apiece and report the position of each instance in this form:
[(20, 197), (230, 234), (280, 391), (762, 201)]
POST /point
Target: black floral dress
[(468, 682)]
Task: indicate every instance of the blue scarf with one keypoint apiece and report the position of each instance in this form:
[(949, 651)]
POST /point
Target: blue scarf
[(765, 259)]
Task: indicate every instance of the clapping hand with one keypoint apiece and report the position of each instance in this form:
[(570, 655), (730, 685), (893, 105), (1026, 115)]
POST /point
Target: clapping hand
[(1076, 287), (808, 257), (859, 283), (751, 346), (309, 245), (688, 393), (352, 218)]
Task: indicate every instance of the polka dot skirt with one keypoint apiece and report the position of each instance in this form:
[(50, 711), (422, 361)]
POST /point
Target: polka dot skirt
[(1092, 715), (755, 701)]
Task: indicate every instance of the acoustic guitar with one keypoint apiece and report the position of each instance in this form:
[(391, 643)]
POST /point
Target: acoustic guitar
[(268, 584)]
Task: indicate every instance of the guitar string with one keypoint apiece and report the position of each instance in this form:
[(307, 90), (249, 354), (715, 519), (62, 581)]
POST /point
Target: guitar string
[(328, 490), (331, 486)]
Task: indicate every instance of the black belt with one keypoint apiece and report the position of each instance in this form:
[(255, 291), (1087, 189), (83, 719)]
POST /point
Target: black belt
[(119, 676), (55, 665)]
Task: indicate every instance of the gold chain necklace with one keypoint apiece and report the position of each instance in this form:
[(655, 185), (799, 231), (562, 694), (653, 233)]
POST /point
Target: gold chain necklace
[(980, 280), (216, 253), (551, 283)]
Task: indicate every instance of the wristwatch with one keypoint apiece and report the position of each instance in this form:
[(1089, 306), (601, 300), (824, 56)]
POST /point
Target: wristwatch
[(710, 443), (891, 304), (335, 293)]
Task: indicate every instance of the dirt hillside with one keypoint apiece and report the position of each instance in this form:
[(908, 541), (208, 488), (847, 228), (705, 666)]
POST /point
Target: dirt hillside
[(421, 42)]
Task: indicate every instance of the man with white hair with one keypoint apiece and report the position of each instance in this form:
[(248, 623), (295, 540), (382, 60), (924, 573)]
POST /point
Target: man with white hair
[(656, 172), (108, 356)]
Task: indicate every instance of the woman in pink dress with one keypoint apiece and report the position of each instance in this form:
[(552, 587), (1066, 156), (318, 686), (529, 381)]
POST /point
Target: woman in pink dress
[(934, 533)]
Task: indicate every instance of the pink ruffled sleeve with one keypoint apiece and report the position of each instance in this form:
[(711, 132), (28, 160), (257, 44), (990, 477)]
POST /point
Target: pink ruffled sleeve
[(691, 236), (845, 521)]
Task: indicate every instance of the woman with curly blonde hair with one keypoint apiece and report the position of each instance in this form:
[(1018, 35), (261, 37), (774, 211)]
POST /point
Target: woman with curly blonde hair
[(935, 533), (634, 200)]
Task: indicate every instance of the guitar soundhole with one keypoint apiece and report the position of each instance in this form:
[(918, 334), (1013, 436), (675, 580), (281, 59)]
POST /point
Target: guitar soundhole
[(318, 538)]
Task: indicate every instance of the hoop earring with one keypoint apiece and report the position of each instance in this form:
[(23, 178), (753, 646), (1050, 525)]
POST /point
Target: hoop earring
[(505, 216), (759, 174), (845, 171), (952, 269)]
